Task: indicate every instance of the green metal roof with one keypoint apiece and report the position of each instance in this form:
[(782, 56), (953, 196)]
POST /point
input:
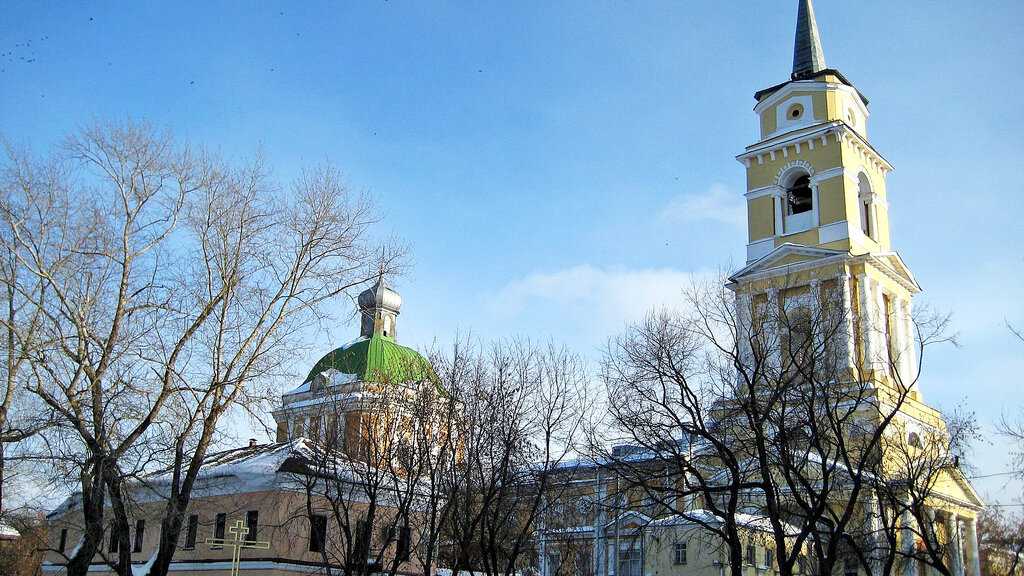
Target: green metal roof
[(376, 359)]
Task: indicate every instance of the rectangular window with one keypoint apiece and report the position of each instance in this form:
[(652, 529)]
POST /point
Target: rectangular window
[(751, 554), (554, 563), (850, 567), (404, 545), (218, 527), (679, 553), (629, 562), (191, 531), (252, 522), (317, 533), (140, 532), (63, 540), (768, 557), (112, 546)]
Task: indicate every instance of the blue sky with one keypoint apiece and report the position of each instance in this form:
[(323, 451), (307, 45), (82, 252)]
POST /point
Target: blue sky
[(560, 168)]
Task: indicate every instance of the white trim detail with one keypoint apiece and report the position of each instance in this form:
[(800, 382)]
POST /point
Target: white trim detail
[(790, 166), (833, 232), (759, 249)]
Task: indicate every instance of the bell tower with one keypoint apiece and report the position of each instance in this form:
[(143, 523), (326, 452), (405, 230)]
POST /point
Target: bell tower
[(813, 179), (818, 218)]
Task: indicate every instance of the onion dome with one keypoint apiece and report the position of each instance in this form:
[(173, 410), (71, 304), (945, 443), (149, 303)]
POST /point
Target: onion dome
[(379, 296), (378, 306)]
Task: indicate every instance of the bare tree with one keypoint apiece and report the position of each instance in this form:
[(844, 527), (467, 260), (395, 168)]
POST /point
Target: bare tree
[(174, 287), (750, 405), (522, 414)]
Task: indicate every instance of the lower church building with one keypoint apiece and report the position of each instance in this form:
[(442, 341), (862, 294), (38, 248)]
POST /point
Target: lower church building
[(326, 496), (310, 502)]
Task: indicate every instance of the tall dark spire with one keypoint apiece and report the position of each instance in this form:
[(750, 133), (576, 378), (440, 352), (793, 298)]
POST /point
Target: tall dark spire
[(808, 57)]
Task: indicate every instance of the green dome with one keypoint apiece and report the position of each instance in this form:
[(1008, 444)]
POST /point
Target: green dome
[(376, 359)]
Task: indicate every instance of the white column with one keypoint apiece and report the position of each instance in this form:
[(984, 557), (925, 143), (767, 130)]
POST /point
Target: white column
[(932, 525), (908, 541), (874, 528), (909, 358), (779, 195), (956, 555), (974, 559), (773, 329), (847, 332), (744, 328), (815, 220), (867, 320), (898, 334)]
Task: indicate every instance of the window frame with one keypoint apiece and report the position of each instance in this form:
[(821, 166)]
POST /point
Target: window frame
[(140, 534), (252, 523), (317, 533), (679, 553), (191, 532)]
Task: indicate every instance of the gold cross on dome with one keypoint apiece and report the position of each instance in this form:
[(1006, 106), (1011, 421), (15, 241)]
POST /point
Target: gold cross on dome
[(239, 530)]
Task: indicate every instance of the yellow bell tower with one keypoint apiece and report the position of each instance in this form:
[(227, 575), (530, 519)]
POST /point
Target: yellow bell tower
[(820, 271), (817, 215), (812, 177)]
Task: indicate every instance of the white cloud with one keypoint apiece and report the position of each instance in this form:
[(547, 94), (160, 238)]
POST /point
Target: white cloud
[(584, 304), (717, 204)]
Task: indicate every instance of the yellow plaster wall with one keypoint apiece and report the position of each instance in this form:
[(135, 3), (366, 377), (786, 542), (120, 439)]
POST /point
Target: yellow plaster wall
[(831, 203), (760, 218), (806, 238)]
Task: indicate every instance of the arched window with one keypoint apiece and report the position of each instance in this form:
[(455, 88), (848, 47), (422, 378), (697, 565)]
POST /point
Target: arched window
[(865, 195), (798, 195), (914, 439)]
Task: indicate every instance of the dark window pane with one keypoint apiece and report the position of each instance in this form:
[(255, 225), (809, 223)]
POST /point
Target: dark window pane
[(252, 521), (218, 526), (191, 532), (317, 533), (112, 546), (140, 532)]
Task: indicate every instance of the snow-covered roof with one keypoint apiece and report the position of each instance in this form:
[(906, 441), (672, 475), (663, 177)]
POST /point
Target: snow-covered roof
[(250, 469), (8, 532), (701, 516)]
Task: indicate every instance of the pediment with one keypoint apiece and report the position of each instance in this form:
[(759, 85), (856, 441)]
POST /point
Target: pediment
[(628, 520), (895, 268), (953, 487), (786, 258)]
